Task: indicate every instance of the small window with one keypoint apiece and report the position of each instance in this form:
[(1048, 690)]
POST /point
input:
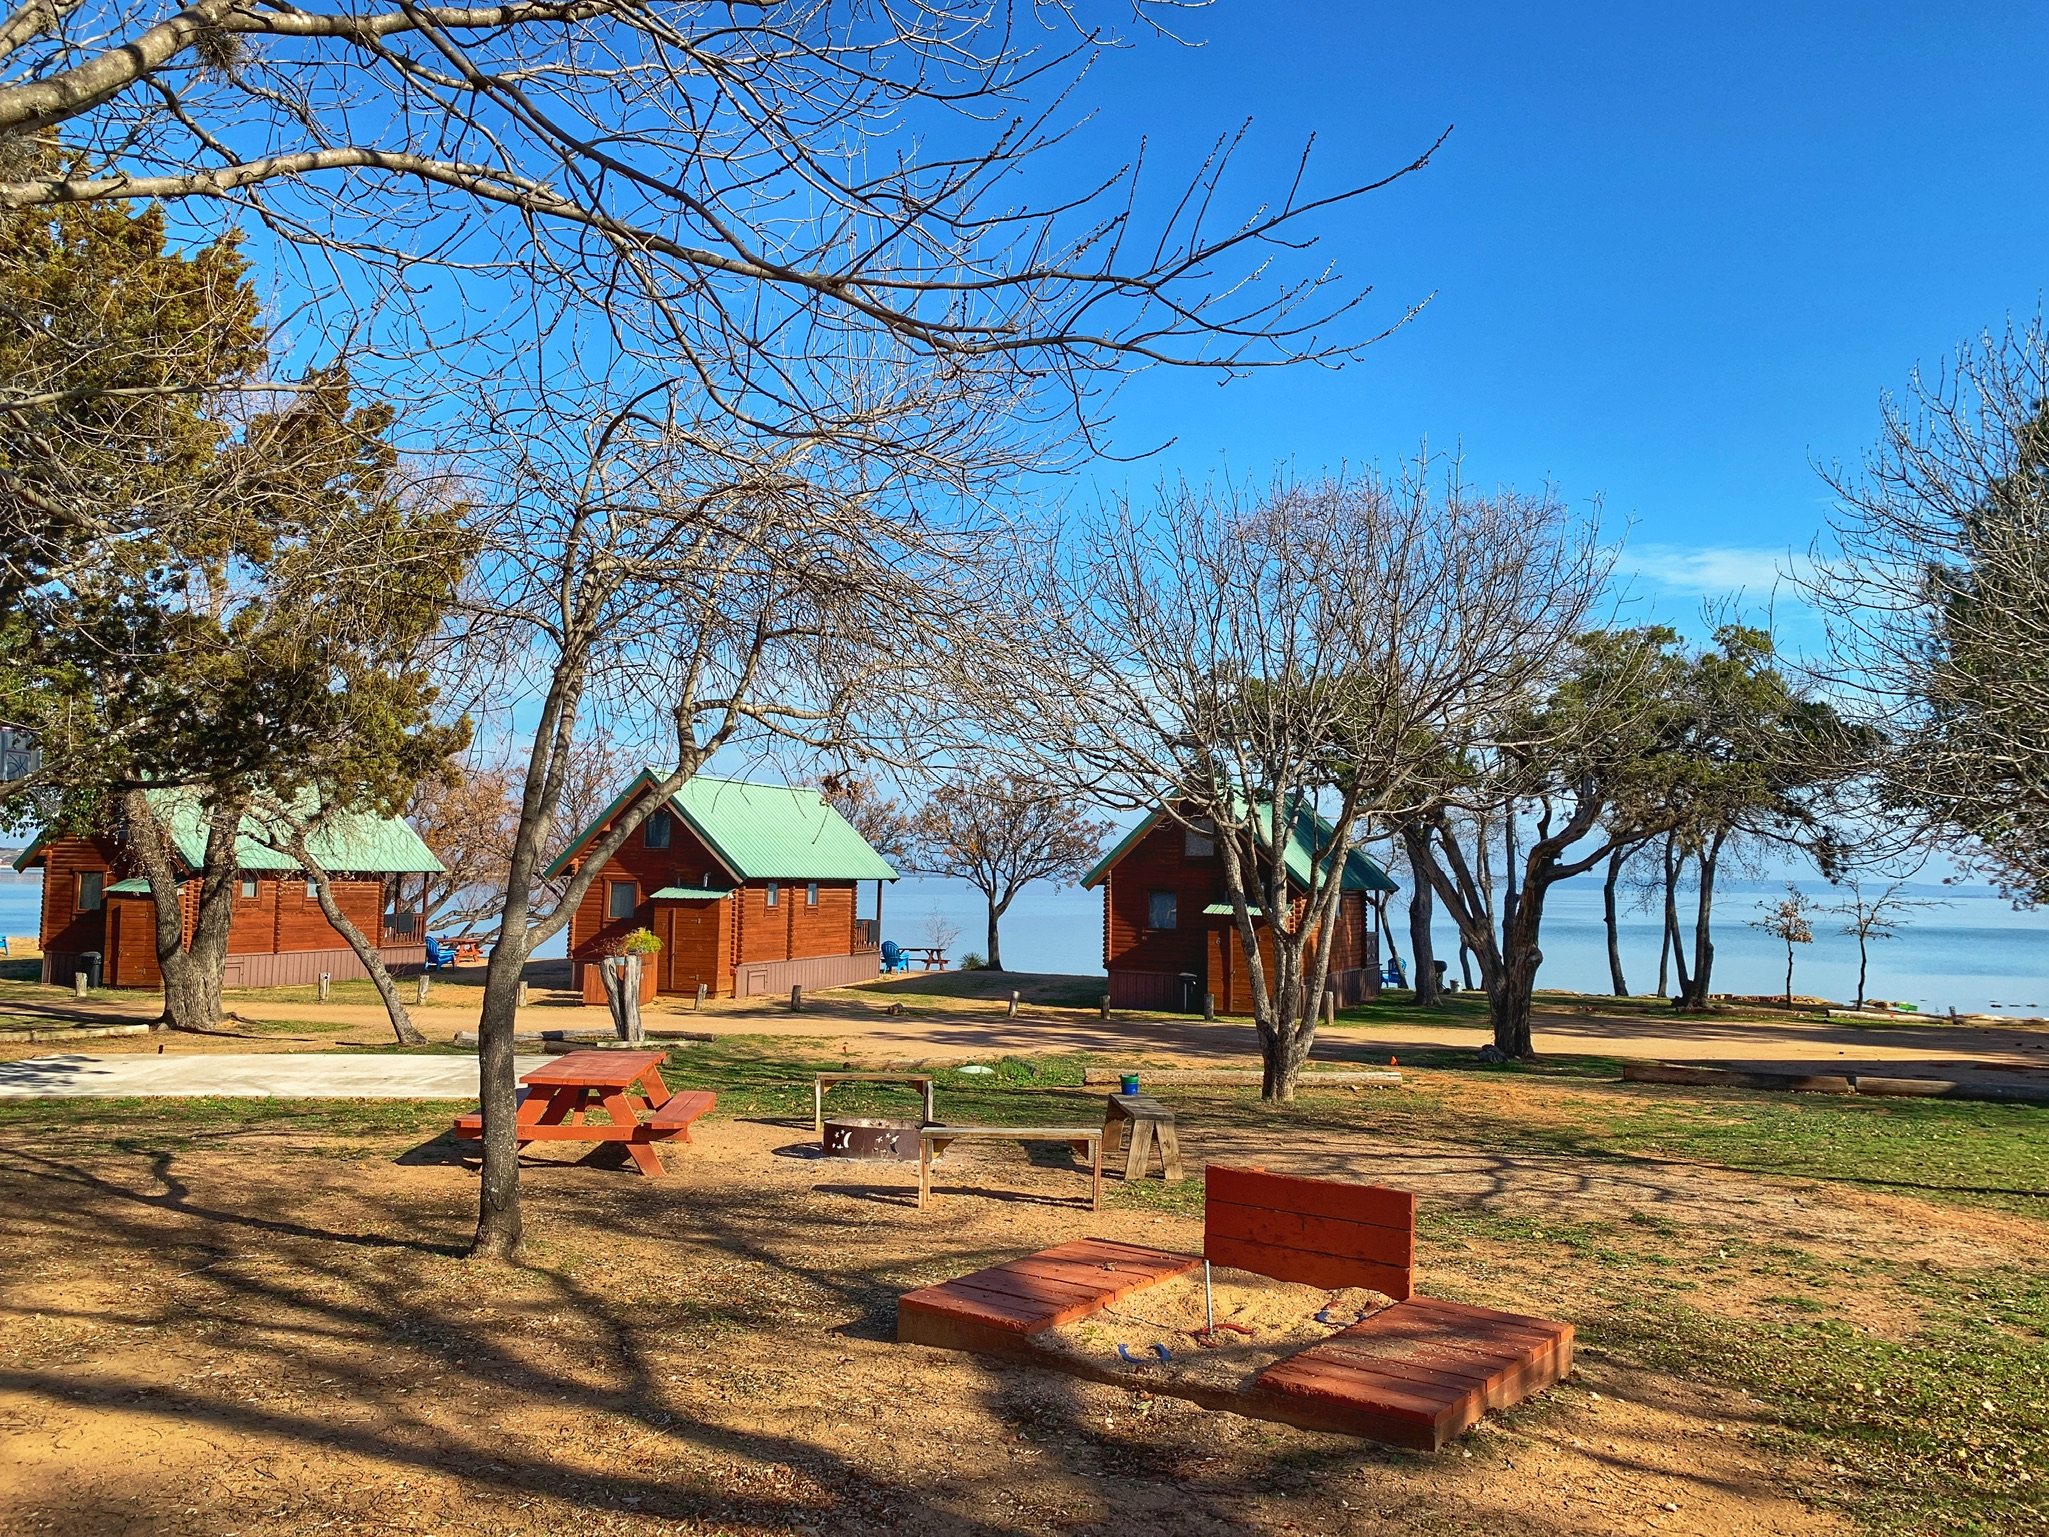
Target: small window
[(249, 888), (1161, 910), (621, 899), (768, 895), (313, 891), (92, 890), (655, 832), (1200, 841), (811, 895), (711, 881)]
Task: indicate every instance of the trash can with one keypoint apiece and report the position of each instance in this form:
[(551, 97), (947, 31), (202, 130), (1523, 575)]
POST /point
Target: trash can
[(89, 963)]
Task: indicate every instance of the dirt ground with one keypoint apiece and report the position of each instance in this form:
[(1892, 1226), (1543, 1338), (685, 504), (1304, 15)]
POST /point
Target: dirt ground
[(243, 1332), (941, 1027)]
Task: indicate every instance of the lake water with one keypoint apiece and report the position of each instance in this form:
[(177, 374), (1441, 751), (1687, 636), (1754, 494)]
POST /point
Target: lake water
[(1975, 955)]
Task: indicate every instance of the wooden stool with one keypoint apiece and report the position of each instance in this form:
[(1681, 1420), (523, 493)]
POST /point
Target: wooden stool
[(1148, 1119)]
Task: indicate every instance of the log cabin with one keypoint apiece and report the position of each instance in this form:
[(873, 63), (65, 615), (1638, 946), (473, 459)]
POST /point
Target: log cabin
[(95, 900), (751, 889), (1169, 937)]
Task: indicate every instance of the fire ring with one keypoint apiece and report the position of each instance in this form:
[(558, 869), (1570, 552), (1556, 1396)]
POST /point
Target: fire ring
[(867, 1139)]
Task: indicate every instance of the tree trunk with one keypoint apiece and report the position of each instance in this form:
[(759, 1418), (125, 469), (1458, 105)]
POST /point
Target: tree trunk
[(1789, 973), (1615, 977), (402, 1024), (1281, 1055), (1708, 863), (191, 972), (500, 1230), (1465, 964), (1673, 869), (1421, 907), (621, 977), (995, 959), (1863, 960)]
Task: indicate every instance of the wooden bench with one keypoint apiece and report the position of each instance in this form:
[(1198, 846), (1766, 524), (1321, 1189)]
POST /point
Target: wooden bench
[(1145, 1120), (1086, 1141), (821, 1082), (674, 1118), (1414, 1374)]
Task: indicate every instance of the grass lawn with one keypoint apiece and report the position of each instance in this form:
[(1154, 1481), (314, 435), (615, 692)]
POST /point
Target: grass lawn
[(1862, 1277)]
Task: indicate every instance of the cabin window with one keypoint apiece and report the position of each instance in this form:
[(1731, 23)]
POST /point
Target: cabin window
[(656, 831), (811, 895), (768, 895), (621, 898), (1161, 909), (313, 891), (92, 889), (1200, 841), (249, 888)]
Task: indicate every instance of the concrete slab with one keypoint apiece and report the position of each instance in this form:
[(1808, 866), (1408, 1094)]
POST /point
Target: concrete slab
[(264, 1075)]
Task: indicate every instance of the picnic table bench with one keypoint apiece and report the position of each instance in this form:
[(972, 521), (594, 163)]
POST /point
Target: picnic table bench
[(822, 1081), (560, 1097), (934, 956), (1145, 1120), (1086, 1141)]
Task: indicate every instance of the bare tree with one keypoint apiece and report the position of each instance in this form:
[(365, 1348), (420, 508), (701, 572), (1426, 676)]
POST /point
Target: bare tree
[(870, 810), (742, 189), (1937, 602), (1786, 920), (1303, 664), (999, 832), (1874, 916), (693, 587)]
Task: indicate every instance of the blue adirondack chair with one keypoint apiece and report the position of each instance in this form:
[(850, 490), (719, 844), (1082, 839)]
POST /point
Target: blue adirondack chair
[(437, 957), (893, 958)]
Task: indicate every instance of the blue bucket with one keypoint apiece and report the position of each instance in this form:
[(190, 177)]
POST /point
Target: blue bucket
[(1128, 1084)]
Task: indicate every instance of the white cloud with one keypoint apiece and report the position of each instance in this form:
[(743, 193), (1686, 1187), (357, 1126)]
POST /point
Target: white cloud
[(1710, 570)]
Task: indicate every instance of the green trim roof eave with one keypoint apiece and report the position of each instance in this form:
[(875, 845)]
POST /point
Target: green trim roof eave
[(687, 894), (348, 841), (581, 840), (27, 858), (1226, 910), (757, 831), (134, 886), (1360, 872), (1103, 866)]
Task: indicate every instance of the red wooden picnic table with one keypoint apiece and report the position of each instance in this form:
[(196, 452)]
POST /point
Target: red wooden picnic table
[(561, 1096)]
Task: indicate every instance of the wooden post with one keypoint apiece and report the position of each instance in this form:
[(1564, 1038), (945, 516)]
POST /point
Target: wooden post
[(702, 989), (522, 995), (326, 982), (1013, 1004), (78, 984), (422, 997), (1209, 1006), (796, 998), (1104, 1007), (1330, 1007)]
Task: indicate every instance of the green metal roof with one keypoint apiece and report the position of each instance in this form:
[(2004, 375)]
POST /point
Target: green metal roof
[(1226, 910), (353, 841), (760, 832), (686, 894), (134, 886), (1308, 830)]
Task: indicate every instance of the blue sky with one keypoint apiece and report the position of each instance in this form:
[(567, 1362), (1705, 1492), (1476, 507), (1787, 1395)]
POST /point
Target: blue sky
[(1673, 256)]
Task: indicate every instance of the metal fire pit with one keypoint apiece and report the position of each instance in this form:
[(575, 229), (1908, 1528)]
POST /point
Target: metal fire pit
[(876, 1141)]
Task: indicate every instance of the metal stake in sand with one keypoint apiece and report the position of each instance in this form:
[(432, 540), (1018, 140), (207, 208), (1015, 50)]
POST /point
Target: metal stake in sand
[(1209, 1301)]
